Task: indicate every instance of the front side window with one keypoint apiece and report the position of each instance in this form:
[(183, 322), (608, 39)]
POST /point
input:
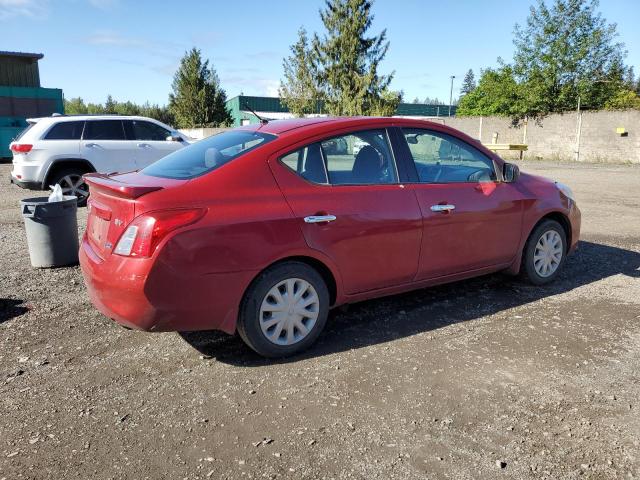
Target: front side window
[(103, 130), (207, 155), (141, 130), (65, 131), (359, 158), (442, 158)]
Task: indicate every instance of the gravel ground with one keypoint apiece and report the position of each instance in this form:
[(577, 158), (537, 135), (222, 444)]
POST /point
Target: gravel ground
[(488, 378)]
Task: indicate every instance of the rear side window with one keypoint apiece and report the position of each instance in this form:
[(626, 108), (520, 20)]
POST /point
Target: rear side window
[(207, 155), (308, 163), (65, 131), (141, 130), (104, 130), (359, 158)]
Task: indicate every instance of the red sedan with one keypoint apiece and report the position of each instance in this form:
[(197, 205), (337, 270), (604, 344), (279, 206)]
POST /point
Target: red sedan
[(263, 229)]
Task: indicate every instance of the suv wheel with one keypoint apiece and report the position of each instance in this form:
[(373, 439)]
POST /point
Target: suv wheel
[(544, 253), (284, 310), (72, 183)]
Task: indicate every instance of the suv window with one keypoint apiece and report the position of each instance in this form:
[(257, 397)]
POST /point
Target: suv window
[(359, 158), (442, 158), (207, 155), (65, 131), (141, 130), (103, 130)]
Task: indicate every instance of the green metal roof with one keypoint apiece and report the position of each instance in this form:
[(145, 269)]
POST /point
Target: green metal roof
[(273, 104)]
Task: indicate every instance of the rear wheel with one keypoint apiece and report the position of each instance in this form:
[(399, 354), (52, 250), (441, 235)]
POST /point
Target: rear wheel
[(72, 183), (284, 310), (544, 252)]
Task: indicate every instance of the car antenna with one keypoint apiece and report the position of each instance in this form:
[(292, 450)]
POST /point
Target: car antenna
[(263, 121)]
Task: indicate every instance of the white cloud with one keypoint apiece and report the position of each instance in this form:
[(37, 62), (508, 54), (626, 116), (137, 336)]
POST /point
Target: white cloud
[(115, 39), (250, 85), (23, 8)]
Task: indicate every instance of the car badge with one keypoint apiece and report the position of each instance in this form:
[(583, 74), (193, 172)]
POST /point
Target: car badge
[(118, 222)]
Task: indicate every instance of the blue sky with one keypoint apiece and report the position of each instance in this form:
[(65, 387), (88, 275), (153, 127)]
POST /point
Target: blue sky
[(131, 49)]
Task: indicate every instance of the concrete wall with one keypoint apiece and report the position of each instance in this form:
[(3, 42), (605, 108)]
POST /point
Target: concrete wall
[(554, 138)]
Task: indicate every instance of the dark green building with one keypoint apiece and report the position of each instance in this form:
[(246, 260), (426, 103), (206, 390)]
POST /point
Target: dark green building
[(272, 109), (21, 95)]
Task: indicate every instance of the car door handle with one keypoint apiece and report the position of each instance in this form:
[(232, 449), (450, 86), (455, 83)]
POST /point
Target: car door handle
[(442, 208), (91, 145), (319, 218), (144, 145)]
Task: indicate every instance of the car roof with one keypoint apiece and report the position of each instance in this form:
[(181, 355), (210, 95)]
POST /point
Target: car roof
[(319, 124)]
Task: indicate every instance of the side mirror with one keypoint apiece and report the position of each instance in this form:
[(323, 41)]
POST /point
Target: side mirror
[(510, 172), (174, 138)]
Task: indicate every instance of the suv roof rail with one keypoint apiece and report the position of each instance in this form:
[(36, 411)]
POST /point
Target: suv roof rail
[(92, 115)]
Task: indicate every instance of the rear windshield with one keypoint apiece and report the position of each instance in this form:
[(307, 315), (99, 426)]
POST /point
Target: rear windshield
[(23, 132), (207, 155)]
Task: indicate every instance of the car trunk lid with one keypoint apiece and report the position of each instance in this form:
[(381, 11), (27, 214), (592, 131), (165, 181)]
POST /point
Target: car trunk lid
[(112, 205)]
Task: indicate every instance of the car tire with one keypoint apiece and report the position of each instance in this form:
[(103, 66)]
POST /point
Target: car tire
[(284, 310), (544, 253), (68, 179)]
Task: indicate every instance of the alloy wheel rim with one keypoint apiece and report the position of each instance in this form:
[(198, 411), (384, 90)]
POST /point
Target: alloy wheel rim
[(73, 184), (289, 311), (548, 253)]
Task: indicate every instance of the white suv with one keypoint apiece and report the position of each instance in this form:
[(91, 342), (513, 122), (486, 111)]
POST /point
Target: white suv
[(60, 149)]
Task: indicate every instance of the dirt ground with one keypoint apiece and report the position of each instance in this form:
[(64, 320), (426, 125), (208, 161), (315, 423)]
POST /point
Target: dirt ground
[(488, 378)]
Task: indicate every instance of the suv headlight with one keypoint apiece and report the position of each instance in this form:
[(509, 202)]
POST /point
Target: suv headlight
[(566, 190)]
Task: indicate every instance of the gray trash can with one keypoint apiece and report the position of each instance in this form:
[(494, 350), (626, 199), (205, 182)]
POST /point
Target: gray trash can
[(52, 231)]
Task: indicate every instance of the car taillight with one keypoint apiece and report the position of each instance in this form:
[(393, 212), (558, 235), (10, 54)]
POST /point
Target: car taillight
[(143, 235), (21, 147)]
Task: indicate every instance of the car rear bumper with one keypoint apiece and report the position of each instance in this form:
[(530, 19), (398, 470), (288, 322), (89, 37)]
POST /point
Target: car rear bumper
[(150, 295), (28, 184)]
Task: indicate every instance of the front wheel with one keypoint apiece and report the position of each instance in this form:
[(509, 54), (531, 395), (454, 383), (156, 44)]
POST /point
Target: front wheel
[(284, 310), (544, 253)]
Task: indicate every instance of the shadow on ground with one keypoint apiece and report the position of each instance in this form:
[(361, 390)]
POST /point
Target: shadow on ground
[(390, 318), (10, 308)]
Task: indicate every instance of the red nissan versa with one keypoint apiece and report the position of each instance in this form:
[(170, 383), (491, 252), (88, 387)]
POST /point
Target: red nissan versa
[(264, 228)]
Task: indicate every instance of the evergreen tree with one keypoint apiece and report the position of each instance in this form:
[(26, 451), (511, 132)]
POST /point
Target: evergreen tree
[(348, 60), (299, 90), (469, 83), (197, 99), (110, 105)]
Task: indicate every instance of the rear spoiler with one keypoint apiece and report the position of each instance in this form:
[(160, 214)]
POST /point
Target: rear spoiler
[(104, 183)]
